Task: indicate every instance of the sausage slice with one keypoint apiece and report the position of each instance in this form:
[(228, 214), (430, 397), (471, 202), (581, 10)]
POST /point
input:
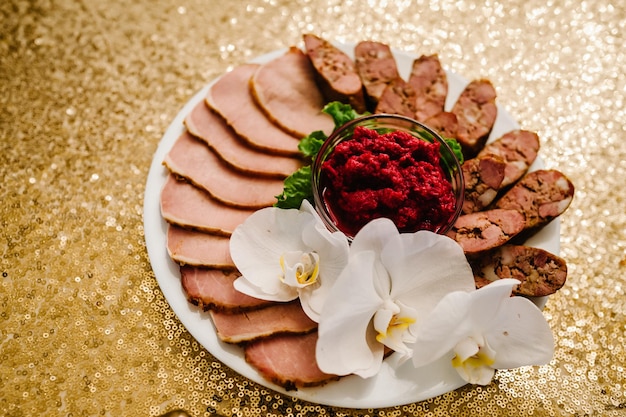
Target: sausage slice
[(485, 230), (377, 67)]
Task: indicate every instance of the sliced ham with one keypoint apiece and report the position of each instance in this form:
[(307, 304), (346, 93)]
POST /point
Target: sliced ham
[(377, 67), (518, 148), (483, 178), (288, 361), (285, 89), (231, 98), (540, 272), (336, 72), (476, 112), (212, 289), (430, 83), (540, 196), (213, 130), (250, 325), (397, 98), (188, 206), (190, 247), (485, 230), (195, 161)]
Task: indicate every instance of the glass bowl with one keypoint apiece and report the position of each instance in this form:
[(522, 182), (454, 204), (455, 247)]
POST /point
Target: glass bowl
[(384, 172)]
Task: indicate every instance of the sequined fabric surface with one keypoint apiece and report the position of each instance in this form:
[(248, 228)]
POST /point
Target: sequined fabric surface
[(87, 90)]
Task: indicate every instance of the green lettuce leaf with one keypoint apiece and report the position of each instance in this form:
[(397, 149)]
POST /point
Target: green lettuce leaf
[(310, 145), (297, 188), (341, 113)]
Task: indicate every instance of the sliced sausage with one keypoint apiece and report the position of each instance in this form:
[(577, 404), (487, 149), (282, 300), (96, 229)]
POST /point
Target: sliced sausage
[(336, 72), (213, 130), (285, 89), (540, 272), (445, 123), (377, 67), (397, 98), (540, 196), (485, 230), (430, 83), (230, 97), (476, 112), (195, 161), (518, 148), (212, 289), (483, 178)]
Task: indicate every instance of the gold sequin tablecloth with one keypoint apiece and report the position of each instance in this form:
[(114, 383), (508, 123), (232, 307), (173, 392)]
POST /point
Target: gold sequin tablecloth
[(88, 88)]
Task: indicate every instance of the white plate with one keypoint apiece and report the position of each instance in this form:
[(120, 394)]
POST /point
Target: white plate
[(395, 384)]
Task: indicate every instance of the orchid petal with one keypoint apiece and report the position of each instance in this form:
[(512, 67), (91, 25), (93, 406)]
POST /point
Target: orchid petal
[(346, 342)]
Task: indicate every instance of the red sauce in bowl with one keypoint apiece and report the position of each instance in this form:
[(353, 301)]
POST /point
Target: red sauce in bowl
[(393, 175)]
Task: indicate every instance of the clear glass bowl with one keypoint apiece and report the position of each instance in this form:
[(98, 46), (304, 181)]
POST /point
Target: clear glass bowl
[(383, 123)]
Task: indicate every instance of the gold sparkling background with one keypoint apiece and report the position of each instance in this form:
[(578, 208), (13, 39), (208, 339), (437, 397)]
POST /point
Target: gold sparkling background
[(87, 89)]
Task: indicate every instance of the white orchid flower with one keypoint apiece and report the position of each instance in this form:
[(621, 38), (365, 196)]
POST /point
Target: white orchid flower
[(390, 284), (284, 254), (485, 330)]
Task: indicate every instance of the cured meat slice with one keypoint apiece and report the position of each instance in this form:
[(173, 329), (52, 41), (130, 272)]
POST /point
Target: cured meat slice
[(213, 130), (188, 206), (212, 289), (444, 123), (430, 83), (190, 247), (195, 161), (397, 98), (288, 361), (540, 272), (485, 230), (285, 89), (540, 196), (274, 319), (336, 72), (518, 148), (483, 178), (377, 67), (230, 97), (476, 112)]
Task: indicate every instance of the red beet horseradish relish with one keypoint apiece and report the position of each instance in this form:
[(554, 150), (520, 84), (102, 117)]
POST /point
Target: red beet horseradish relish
[(392, 174)]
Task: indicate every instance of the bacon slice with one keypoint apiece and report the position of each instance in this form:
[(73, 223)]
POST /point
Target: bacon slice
[(188, 206), (485, 230), (285, 89), (483, 178), (274, 319), (518, 149), (213, 130), (430, 83), (193, 160), (540, 196), (377, 67), (212, 289), (231, 98), (336, 72), (288, 361), (540, 272), (476, 112), (190, 247)]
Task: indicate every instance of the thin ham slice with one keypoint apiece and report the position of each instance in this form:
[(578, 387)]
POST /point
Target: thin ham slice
[(195, 161), (275, 319), (285, 89), (213, 130), (188, 206), (190, 247), (288, 361), (231, 98), (212, 289)]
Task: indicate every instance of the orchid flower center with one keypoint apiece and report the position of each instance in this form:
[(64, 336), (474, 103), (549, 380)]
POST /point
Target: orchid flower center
[(392, 322), (473, 360), (300, 269)]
